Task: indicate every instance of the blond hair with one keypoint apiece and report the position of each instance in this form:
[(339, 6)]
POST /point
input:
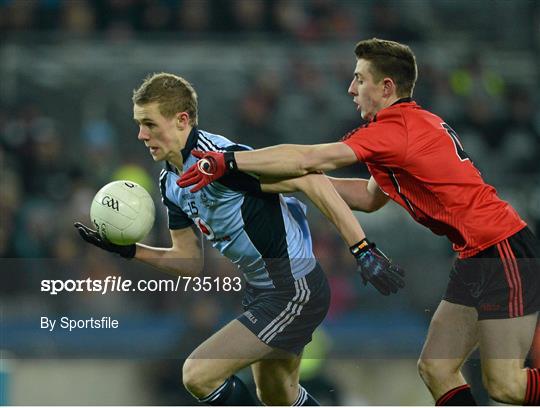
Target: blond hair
[(173, 93)]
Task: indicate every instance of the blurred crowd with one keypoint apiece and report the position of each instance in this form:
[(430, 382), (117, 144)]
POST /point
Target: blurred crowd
[(59, 146), (303, 20)]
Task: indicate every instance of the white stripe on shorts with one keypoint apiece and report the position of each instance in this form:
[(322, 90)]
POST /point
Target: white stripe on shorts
[(291, 311)]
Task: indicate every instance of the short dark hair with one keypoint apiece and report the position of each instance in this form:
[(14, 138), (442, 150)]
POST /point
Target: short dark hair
[(391, 59), (173, 93)]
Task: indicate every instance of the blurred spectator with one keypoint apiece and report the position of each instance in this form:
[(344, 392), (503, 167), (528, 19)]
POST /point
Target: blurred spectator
[(330, 19), (19, 15), (35, 229), (156, 16), (249, 15), (474, 80), (78, 17), (194, 16), (290, 17), (387, 23), (256, 116), (521, 132)]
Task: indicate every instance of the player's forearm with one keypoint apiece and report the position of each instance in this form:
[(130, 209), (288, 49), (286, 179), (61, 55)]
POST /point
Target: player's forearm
[(357, 195), (169, 260), (277, 161), (322, 193)]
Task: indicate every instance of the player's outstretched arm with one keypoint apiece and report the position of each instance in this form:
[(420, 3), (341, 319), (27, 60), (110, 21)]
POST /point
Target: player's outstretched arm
[(184, 258), (360, 194), (290, 160), (321, 192), (277, 161), (372, 265)]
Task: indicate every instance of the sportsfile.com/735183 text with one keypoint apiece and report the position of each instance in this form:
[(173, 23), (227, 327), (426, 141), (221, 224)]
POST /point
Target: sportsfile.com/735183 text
[(118, 284)]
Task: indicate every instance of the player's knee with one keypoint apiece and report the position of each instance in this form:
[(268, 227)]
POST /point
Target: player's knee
[(424, 369), (433, 370), (277, 394), (194, 379), (502, 388)]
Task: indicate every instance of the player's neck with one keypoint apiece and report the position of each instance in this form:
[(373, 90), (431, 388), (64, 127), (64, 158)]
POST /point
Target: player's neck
[(390, 101), (177, 160)]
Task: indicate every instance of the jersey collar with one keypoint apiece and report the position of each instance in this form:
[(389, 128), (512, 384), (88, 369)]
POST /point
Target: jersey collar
[(191, 142), (403, 100)]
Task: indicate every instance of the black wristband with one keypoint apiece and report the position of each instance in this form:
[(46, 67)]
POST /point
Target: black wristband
[(230, 161), (127, 251), (360, 247)]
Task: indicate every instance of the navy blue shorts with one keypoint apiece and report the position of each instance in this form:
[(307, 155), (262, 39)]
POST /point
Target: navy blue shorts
[(286, 318), (501, 282)]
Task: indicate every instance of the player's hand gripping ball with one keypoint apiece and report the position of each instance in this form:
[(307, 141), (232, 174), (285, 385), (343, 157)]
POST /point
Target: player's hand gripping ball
[(122, 212)]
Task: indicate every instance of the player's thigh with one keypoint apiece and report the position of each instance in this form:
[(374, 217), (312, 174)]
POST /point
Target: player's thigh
[(227, 351), (452, 334), (277, 379), (504, 341), (504, 345)]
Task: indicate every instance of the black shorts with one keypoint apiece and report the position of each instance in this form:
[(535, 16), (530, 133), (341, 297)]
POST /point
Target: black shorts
[(501, 282), (286, 318)]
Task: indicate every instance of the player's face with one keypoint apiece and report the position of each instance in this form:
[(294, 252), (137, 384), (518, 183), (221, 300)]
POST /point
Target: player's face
[(367, 94), (159, 134)]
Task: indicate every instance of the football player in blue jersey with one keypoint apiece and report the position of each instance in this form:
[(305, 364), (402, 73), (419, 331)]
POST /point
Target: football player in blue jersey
[(266, 234)]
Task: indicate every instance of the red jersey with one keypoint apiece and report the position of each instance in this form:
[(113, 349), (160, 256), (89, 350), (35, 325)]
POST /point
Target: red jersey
[(419, 162)]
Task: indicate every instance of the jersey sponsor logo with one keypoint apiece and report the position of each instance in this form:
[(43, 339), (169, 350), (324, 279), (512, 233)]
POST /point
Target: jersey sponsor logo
[(208, 232), (204, 228), (110, 202), (207, 202)]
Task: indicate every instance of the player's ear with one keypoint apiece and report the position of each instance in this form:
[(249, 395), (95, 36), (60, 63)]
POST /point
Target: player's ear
[(389, 87), (182, 120)]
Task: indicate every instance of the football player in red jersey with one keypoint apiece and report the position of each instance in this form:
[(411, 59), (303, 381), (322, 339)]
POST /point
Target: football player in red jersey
[(417, 160)]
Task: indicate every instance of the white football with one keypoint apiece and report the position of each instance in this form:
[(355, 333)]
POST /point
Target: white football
[(123, 212)]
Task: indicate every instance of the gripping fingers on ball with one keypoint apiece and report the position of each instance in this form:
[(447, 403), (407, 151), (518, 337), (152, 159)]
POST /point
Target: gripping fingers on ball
[(89, 235), (83, 229)]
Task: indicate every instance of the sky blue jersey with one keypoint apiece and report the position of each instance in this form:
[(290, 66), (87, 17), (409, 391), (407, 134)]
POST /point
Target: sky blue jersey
[(265, 235)]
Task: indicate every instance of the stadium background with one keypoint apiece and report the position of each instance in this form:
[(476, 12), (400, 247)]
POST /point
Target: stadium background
[(266, 72)]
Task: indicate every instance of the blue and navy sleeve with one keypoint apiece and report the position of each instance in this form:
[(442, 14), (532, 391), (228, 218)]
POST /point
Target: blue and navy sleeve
[(178, 219), (239, 181)]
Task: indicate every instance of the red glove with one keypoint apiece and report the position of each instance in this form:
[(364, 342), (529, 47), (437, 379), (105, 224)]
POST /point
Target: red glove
[(211, 167)]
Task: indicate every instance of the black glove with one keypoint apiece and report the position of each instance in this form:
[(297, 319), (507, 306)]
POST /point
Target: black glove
[(376, 268), (89, 235)]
